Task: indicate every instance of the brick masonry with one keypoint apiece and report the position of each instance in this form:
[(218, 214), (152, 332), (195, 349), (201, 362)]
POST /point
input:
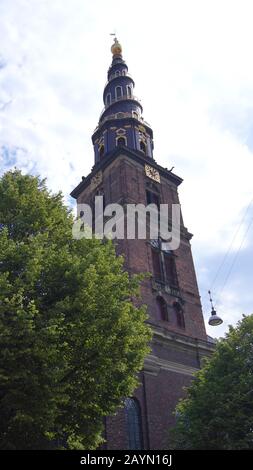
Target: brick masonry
[(176, 352)]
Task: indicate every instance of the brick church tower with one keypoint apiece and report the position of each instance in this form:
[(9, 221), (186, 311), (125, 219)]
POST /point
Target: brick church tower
[(125, 172)]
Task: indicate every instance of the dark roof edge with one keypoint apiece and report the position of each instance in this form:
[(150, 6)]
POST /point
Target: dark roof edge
[(135, 155)]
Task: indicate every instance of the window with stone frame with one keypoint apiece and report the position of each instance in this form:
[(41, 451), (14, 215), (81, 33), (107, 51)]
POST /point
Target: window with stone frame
[(143, 147), (179, 314), (118, 92), (121, 141), (153, 198), (108, 99), (133, 424), (129, 91), (164, 265), (162, 308), (170, 270), (153, 193), (101, 151), (157, 265)]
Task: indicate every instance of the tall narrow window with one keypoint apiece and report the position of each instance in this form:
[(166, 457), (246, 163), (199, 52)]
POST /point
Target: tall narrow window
[(129, 91), (179, 314), (118, 91), (101, 151), (143, 147), (170, 270), (157, 267), (153, 198), (133, 424), (108, 98), (162, 308)]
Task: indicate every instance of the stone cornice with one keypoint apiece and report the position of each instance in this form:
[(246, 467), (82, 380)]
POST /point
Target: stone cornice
[(184, 342), (133, 155), (193, 346), (153, 365)]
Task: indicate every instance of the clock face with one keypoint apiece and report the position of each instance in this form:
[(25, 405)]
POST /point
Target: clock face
[(152, 173)]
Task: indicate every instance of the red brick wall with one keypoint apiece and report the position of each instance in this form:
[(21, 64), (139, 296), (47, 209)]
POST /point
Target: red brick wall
[(162, 394), (124, 181)]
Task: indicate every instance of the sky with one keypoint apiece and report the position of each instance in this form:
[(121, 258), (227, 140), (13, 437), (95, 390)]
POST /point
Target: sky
[(192, 64)]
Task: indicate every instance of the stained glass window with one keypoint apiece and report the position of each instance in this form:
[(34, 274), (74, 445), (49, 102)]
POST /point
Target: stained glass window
[(133, 423)]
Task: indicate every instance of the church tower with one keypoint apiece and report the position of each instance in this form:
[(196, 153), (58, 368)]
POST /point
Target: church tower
[(125, 172)]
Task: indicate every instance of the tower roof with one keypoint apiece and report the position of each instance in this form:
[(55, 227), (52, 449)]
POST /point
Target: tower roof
[(121, 121)]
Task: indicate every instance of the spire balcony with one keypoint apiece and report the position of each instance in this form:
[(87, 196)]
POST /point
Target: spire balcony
[(118, 74), (120, 98), (122, 115)]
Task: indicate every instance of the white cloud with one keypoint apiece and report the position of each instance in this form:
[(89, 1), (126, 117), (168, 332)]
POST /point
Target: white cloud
[(192, 65)]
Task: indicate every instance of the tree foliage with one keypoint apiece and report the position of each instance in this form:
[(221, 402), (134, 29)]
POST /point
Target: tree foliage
[(71, 338), (218, 410)]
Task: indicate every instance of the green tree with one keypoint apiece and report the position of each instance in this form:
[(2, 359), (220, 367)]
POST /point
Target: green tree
[(217, 412), (71, 339)]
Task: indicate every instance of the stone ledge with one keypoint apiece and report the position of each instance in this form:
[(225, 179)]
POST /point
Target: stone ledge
[(153, 365)]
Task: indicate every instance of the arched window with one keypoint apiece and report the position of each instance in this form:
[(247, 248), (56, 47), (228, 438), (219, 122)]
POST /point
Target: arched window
[(133, 424), (117, 73), (162, 308), (118, 91), (179, 314), (101, 151), (135, 115), (121, 141), (129, 91), (108, 98), (143, 147)]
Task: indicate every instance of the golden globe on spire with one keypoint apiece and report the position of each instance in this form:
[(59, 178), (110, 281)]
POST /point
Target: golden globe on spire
[(116, 47)]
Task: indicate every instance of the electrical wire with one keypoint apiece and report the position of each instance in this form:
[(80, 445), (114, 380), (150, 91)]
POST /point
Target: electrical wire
[(231, 245), (234, 260), (228, 252)]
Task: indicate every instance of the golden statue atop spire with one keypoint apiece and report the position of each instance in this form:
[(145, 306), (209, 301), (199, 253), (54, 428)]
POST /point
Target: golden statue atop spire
[(116, 47)]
